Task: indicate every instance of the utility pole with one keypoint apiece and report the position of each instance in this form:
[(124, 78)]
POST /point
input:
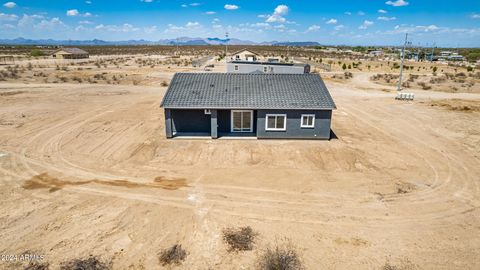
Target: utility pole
[(399, 87), (226, 47), (433, 51)]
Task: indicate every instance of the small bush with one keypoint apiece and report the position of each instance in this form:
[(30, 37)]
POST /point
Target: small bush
[(173, 255), (239, 239), (92, 263), (280, 258), (37, 266), (164, 84)]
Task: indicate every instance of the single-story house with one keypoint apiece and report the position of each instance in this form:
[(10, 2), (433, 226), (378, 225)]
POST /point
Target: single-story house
[(245, 55), (70, 53), (267, 67), (257, 105)]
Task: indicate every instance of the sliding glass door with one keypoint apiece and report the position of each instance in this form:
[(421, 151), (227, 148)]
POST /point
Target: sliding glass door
[(242, 121)]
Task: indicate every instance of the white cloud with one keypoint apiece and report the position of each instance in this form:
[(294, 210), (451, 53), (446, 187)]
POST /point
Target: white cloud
[(313, 28), (339, 27), (475, 16), (192, 24), (210, 12), (382, 11), (397, 3), (85, 22), (184, 5), (384, 18), (361, 13), (72, 12), (171, 28), (215, 20), (147, 1), (332, 21), (8, 17), (278, 14), (10, 5), (348, 13), (150, 30), (194, 4), (365, 24), (231, 7), (124, 28), (88, 2)]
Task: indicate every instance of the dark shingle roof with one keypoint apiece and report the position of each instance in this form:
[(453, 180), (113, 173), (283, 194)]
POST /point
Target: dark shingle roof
[(247, 91)]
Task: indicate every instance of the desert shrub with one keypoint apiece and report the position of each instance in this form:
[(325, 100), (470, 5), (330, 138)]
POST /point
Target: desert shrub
[(424, 86), (36, 53), (37, 266), (173, 255), (344, 66), (282, 257), (91, 263), (469, 69), (239, 239), (164, 84)]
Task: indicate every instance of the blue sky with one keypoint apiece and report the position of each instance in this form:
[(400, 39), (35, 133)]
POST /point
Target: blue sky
[(351, 22)]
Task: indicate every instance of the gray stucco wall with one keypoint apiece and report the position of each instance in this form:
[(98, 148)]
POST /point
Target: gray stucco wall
[(294, 131), (194, 121), (278, 69)]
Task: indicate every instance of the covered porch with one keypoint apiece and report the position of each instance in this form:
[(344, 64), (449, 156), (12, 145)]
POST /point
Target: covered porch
[(210, 123)]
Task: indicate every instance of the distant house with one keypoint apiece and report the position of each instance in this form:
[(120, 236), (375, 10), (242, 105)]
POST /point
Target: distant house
[(6, 59), (70, 53), (282, 106), (267, 67), (244, 55)]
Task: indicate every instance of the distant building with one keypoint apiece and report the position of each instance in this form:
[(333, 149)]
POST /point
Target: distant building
[(375, 53), (267, 67), (6, 59), (245, 55), (70, 53)]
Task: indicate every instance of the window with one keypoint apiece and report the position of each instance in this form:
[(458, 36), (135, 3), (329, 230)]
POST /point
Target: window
[(276, 122), (265, 69), (208, 111), (308, 121), (236, 67), (242, 121)]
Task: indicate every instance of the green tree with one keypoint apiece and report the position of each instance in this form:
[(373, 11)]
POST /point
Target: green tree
[(36, 53), (344, 66), (434, 69)]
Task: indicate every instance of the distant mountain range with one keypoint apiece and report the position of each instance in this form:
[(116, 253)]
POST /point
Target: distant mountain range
[(177, 41)]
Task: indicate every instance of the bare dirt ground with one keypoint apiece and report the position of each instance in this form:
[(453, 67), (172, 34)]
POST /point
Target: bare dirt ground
[(85, 170)]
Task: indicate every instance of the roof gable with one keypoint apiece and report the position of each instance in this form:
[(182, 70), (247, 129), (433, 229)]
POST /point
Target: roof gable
[(71, 50), (249, 91), (245, 50)]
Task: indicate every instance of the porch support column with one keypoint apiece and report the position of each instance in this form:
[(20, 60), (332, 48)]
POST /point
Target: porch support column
[(214, 124), (168, 123)]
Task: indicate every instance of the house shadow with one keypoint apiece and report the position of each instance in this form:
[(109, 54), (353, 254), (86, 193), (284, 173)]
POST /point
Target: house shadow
[(333, 136)]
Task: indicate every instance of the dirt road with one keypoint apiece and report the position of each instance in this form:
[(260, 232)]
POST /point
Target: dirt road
[(400, 183)]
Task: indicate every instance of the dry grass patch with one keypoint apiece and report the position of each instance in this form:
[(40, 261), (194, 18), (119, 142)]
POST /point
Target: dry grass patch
[(37, 266), (240, 239), (173, 255)]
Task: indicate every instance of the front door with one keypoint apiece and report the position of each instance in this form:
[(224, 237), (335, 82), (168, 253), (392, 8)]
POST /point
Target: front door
[(242, 121)]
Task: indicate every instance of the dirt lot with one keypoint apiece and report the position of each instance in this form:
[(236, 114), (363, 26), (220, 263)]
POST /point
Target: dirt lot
[(85, 170)]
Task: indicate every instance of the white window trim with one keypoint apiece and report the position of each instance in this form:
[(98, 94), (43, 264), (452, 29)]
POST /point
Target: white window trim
[(251, 121), (207, 111), (276, 115), (307, 126)]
